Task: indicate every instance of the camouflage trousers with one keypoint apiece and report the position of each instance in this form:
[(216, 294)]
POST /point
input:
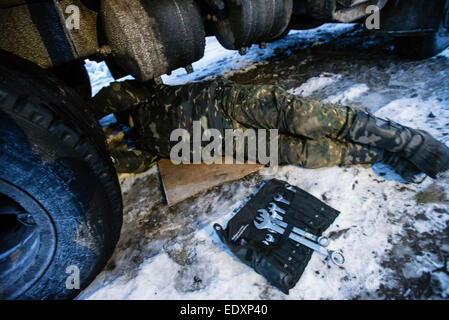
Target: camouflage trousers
[(311, 133)]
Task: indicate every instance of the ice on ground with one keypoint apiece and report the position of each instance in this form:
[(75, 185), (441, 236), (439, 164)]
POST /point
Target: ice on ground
[(445, 53), (314, 84), (348, 95), (393, 235)]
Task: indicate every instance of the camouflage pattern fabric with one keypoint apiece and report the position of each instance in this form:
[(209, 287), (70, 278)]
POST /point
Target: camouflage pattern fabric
[(325, 152), (417, 146), (133, 161), (271, 107), (311, 133)]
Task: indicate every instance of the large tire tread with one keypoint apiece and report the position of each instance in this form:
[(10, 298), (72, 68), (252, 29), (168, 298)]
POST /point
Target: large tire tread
[(75, 127)]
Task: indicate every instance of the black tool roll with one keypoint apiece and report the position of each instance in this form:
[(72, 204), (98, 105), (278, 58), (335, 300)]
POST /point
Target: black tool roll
[(283, 261)]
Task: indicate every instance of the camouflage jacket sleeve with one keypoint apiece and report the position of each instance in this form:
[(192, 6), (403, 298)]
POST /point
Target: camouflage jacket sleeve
[(118, 97)]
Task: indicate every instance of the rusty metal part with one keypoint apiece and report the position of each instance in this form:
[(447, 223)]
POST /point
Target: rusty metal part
[(244, 23), (342, 10), (149, 38), (84, 39), (36, 31), (412, 17)]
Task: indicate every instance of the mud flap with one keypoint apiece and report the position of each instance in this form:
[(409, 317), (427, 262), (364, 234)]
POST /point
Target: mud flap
[(282, 262)]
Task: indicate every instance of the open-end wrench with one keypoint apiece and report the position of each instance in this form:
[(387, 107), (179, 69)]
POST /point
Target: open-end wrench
[(290, 188), (277, 218), (279, 198), (263, 221), (274, 207)]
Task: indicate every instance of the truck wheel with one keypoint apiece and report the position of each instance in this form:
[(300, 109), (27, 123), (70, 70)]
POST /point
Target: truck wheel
[(243, 23), (424, 47), (60, 200)]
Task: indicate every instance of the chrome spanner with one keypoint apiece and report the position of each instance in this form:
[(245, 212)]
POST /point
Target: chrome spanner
[(274, 207), (322, 240), (279, 198), (263, 221), (290, 188)]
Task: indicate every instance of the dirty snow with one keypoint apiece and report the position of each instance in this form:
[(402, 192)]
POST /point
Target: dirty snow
[(394, 235), (314, 84)]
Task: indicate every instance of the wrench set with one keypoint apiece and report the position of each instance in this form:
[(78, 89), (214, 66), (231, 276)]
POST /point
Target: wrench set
[(272, 220), (276, 230)]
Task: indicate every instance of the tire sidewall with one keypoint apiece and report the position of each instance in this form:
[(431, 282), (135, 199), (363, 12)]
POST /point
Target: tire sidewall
[(68, 191), (65, 178)]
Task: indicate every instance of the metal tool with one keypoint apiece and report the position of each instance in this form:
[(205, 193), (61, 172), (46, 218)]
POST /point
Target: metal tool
[(279, 198), (274, 207), (290, 188), (335, 256), (274, 216), (321, 240), (269, 239), (264, 221)]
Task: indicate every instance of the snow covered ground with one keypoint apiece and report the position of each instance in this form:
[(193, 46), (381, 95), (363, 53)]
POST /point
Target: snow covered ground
[(394, 235)]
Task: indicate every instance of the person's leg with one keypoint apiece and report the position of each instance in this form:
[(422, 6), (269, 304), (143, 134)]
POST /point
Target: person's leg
[(271, 107), (327, 152), (264, 106), (417, 146)]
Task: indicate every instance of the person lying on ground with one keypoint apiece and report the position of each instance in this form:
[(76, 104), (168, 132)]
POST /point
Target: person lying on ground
[(312, 134)]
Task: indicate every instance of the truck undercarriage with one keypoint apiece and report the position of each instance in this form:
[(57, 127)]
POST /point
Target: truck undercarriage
[(150, 38)]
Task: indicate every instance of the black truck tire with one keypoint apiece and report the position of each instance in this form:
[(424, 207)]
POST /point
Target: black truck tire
[(423, 47), (60, 200), (244, 23)]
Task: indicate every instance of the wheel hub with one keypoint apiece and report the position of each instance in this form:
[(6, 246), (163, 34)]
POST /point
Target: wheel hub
[(27, 240)]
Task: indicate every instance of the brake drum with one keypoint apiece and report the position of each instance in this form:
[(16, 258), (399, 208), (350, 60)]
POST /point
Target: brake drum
[(243, 23), (149, 38)]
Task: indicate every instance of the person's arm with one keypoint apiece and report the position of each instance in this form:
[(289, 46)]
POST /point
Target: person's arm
[(119, 96)]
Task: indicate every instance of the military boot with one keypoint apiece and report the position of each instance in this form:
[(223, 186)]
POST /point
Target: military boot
[(407, 170), (417, 146)]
